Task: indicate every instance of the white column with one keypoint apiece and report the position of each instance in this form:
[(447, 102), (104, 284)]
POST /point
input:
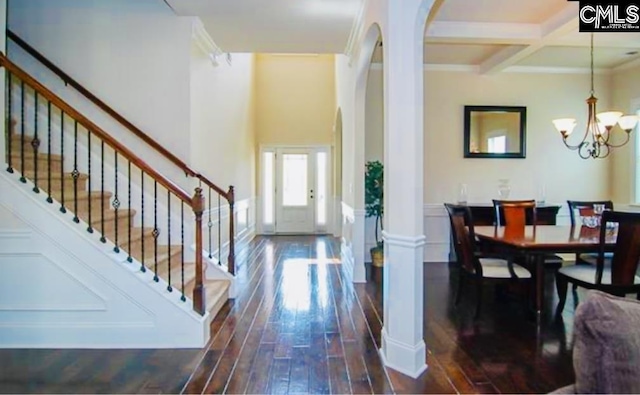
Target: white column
[(403, 347)]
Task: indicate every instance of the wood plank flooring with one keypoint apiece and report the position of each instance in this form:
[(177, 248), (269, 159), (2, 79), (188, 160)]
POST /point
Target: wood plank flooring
[(298, 326)]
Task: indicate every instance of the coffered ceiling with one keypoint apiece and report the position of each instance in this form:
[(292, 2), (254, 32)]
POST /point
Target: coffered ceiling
[(489, 36)]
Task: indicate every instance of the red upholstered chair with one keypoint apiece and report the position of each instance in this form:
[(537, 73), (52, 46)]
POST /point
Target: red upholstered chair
[(518, 214)]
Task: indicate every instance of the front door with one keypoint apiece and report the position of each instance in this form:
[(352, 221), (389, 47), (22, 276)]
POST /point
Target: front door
[(295, 178)]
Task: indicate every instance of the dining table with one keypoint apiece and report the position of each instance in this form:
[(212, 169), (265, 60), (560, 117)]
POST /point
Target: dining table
[(535, 242)]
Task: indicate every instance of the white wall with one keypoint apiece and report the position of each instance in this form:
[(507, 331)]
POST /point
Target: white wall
[(626, 92), (374, 122), (134, 55), (345, 100), (222, 127)]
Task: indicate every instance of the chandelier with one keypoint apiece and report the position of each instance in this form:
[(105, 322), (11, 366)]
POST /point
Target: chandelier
[(596, 140)]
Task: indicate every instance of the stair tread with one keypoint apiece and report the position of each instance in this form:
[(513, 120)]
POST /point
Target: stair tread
[(41, 155), (214, 290), (85, 195), (54, 175), (96, 219)]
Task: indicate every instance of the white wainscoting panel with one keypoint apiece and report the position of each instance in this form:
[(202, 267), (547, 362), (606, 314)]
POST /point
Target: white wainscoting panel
[(62, 288)]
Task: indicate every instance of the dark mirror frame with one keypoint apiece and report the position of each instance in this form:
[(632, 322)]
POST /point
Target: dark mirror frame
[(467, 131)]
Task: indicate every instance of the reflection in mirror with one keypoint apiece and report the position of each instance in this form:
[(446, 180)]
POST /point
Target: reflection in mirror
[(494, 131)]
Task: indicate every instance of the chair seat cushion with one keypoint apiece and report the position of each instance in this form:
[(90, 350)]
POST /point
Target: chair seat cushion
[(498, 268), (587, 274), (592, 259), (606, 351)]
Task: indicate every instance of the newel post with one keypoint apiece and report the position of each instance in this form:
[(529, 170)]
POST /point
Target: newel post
[(197, 203), (231, 262)]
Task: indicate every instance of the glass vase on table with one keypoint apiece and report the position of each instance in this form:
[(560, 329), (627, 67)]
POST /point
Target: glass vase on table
[(504, 189)]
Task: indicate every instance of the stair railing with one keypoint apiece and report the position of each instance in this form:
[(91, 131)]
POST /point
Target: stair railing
[(214, 233), (78, 142)]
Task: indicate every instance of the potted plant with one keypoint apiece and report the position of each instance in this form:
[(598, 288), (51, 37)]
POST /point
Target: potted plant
[(374, 204)]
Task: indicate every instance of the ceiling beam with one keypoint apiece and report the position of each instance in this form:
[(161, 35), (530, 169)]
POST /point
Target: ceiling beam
[(482, 33), (550, 30)]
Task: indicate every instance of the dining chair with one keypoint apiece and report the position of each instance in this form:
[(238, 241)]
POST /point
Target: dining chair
[(474, 265), (584, 208), (518, 214), (620, 277), (515, 213)]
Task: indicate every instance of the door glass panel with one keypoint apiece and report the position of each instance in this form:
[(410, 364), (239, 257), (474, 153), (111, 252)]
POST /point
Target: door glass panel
[(321, 188), (294, 180), (267, 204)]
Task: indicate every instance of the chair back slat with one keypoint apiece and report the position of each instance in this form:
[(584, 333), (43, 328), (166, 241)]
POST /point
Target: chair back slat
[(463, 236), (585, 208), (515, 213), (626, 252)]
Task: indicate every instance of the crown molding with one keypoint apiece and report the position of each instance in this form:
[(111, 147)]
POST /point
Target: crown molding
[(201, 38), (356, 31), (554, 70), (464, 68)]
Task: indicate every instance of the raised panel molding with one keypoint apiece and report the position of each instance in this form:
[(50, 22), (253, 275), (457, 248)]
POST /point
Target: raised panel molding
[(79, 292)]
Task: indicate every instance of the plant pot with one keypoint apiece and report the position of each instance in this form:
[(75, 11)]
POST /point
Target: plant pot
[(377, 256)]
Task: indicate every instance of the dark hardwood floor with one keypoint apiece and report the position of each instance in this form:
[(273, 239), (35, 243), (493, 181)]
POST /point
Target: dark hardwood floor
[(298, 326)]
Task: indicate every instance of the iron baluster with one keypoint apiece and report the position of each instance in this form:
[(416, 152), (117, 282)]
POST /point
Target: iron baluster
[(183, 298), (209, 225), (62, 207), (116, 203), (156, 231), (49, 199), (169, 239), (142, 267), (9, 123), (75, 174), (90, 227), (35, 143), (22, 136), (231, 258), (129, 258), (103, 238)]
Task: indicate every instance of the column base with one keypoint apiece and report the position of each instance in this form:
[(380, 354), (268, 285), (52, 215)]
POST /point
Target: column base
[(406, 359)]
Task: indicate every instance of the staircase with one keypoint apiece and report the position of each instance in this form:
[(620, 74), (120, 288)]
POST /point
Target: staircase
[(76, 166)]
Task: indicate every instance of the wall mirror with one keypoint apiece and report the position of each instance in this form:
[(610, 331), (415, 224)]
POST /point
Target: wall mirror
[(494, 131)]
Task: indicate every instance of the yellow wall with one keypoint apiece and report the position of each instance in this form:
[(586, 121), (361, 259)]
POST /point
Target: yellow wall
[(546, 96), (626, 91), (295, 99)]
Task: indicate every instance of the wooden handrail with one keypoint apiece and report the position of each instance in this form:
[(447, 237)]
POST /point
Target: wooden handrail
[(95, 129), (113, 113)]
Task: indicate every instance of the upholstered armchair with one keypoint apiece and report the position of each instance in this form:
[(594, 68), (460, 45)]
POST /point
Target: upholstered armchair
[(606, 346)]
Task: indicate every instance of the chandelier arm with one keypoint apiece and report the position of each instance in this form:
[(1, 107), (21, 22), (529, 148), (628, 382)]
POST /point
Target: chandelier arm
[(619, 145), (584, 151), (608, 151), (573, 147), (597, 145)]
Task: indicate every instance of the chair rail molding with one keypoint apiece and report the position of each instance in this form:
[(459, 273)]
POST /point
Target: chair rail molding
[(437, 232)]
